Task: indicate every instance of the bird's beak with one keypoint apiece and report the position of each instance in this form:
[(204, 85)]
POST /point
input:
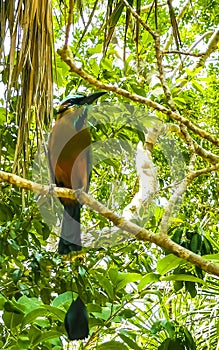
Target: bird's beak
[(91, 98)]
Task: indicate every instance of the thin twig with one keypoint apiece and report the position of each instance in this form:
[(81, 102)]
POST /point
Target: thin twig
[(87, 25), (183, 53)]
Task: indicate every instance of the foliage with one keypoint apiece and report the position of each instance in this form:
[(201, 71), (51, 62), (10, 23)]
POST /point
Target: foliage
[(137, 296)]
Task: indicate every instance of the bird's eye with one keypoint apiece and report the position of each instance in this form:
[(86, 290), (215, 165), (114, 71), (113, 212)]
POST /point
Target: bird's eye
[(64, 107)]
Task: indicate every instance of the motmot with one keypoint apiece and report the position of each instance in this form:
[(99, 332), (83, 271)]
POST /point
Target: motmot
[(69, 157)]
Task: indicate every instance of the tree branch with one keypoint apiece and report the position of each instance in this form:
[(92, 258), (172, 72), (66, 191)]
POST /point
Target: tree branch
[(183, 53), (65, 55), (140, 233), (159, 55), (212, 46), (182, 187), (69, 23), (139, 19), (147, 174), (202, 152)]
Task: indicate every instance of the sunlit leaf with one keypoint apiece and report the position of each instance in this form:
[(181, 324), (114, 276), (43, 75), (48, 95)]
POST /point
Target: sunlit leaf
[(168, 263)]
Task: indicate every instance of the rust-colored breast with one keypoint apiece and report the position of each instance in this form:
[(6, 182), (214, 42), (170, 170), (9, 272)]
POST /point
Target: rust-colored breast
[(69, 152)]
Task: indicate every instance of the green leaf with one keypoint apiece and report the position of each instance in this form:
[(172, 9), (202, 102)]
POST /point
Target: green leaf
[(54, 311), (177, 236), (94, 66), (106, 64), (147, 279), (34, 333), (63, 298), (169, 262), (95, 322), (113, 274), (126, 278), (116, 14), (13, 307), (105, 312), (43, 312), (29, 304), (171, 344), (23, 342), (191, 288), (133, 345), (33, 315), (198, 86), (93, 308), (178, 285), (179, 101), (112, 345), (196, 243), (16, 275), (189, 339), (138, 90), (104, 283), (169, 327), (2, 115), (38, 226), (183, 277), (127, 313), (93, 50), (12, 319), (2, 302), (5, 212), (48, 335), (212, 257)]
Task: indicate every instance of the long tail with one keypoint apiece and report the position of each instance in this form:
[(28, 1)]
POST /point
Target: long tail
[(76, 320), (70, 239)]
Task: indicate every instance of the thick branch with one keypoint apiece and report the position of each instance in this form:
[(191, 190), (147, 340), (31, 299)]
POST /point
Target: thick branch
[(212, 46), (147, 175), (34, 187), (179, 191), (182, 187), (140, 233)]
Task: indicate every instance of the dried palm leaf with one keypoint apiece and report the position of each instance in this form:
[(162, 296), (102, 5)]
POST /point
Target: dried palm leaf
[(174, 24), (29, 66)]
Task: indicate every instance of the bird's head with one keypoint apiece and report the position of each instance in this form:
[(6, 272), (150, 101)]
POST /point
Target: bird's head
[(74, 101)]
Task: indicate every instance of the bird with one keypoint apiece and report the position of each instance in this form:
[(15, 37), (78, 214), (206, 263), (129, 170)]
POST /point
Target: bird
[(69, 159), (76, 320)]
